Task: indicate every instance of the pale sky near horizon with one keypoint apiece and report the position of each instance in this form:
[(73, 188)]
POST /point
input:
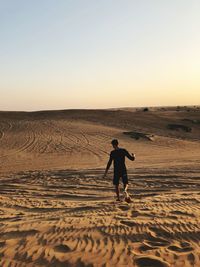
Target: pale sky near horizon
[(60, 54)]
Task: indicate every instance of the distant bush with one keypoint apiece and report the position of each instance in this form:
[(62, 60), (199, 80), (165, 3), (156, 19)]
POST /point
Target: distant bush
[(138, 135), (145, 109), (179, 127)]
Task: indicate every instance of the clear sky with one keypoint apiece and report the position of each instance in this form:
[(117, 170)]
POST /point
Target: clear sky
[(59, 54)]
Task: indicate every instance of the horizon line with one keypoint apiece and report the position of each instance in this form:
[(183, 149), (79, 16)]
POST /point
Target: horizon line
[(109, 108)]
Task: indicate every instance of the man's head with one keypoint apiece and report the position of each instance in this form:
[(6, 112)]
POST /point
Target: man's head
[(115, 143)]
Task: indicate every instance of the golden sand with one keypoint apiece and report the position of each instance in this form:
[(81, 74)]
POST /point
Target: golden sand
[(57, 210)]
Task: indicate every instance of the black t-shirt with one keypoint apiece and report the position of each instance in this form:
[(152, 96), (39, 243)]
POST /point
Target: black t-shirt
[(118, 156)]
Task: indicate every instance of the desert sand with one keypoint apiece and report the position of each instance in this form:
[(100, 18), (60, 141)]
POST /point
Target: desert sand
[(56, 210)]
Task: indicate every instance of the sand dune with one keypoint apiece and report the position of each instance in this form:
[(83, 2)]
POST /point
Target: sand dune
[(81, 139), (57, 210)]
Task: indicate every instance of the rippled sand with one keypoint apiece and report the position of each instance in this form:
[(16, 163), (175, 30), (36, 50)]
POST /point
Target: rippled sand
[(62, 218), (57, 210)]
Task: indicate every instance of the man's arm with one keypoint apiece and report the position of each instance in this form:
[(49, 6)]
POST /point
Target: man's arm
[(131, 157), (108, 166)]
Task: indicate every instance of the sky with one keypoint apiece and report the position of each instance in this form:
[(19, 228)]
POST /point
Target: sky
[(63, 54)]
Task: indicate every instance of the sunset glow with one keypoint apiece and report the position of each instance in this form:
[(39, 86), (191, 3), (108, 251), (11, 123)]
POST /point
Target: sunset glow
[(99, 54)]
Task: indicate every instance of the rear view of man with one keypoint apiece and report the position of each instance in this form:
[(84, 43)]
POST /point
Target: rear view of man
[(118, 157)]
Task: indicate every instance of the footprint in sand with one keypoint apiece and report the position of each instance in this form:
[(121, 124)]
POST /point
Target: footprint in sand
[(191, 258), (129, 223), (160, 232), (145, 247), (62, 248), (135, 213), (150, 262), (182, 248), (156, 242), (124, 207)]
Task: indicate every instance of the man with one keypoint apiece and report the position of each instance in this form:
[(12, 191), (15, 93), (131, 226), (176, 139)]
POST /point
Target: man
[(118, 157)]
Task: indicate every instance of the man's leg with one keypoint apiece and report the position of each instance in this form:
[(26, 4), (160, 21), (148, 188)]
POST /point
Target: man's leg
[(125, 187), (126, 195), (125, 182), (117, 191), (116, 184)]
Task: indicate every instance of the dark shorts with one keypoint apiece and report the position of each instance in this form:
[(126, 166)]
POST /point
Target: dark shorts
[(117, 177)]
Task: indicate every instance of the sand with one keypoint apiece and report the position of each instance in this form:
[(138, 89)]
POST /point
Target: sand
[(57, 210)]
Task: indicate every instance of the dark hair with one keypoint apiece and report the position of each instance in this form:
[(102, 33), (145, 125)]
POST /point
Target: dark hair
[(115, 142)]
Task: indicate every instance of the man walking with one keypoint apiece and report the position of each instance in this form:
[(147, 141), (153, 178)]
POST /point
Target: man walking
[(118, 157)]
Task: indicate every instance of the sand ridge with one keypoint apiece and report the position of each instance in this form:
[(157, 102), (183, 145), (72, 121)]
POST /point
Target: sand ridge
[(81, 139), (57, 210), (70, 218)]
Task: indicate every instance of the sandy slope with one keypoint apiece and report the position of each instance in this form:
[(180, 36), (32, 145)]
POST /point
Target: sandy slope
[(81, 139), (56, 210)]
